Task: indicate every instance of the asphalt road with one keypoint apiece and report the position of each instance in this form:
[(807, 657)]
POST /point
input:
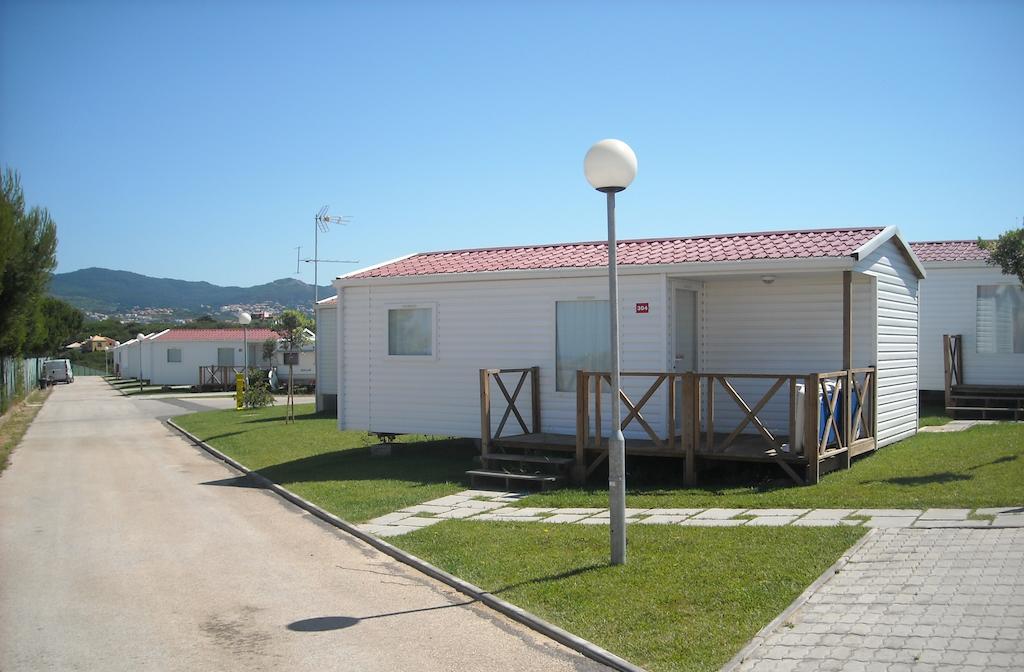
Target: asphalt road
[(123, 547)]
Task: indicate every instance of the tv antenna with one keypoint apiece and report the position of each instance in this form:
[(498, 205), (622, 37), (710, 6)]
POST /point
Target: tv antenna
[(322, 222)]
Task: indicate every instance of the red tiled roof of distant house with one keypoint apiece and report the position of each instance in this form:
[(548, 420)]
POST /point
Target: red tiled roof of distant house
[(709, 249), (949, 250), (215, 335)]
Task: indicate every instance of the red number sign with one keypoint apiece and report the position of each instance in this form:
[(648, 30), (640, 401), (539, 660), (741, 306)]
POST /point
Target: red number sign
[(643, 308)]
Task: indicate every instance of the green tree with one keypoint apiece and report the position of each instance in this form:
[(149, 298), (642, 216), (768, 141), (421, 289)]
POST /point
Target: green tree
[(291, 325), (1007, 252), (28, 255), (56, 324)]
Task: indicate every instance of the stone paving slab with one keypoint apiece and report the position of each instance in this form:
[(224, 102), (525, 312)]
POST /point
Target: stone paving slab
[(909, 599), (499, 506)]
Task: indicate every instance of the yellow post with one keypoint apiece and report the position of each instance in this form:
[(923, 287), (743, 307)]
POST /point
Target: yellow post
[(239, 391)]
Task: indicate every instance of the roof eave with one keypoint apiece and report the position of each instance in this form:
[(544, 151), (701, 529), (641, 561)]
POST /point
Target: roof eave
[(702, 268)]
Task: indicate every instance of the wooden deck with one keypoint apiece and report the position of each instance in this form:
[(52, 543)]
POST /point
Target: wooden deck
[(998, 402), (836, 410)]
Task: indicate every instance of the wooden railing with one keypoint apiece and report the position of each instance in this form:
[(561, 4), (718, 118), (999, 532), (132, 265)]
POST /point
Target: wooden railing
[(953, 363), (218, 376), (511, 408), (836, 423)]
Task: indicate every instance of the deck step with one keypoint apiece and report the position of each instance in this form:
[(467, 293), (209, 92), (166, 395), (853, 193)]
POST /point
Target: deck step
[(532, 459), (545, 481), (546, 478)]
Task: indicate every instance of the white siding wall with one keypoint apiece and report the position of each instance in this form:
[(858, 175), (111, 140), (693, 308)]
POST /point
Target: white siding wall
[(194, 354), (948, 306), (897, 298), (794, 325), (129, 360), (326, 351), (354, 391), (481, 324)]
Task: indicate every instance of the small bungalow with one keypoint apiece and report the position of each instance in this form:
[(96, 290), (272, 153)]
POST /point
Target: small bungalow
[(98, 344), (972, 328), (797, 347), (201, 357)]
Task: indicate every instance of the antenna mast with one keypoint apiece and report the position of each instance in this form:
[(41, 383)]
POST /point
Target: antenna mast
[(322, 224)]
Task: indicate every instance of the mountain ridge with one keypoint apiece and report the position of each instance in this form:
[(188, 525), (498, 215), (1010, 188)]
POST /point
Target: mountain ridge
[(106, 290)]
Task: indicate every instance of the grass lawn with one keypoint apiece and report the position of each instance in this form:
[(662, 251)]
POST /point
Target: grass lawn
[(688, 598), (335, 469), (983, 466), (15, 422)]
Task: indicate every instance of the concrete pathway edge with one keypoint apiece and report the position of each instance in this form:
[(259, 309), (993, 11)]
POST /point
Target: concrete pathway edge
[(762, 634), (583, 646)]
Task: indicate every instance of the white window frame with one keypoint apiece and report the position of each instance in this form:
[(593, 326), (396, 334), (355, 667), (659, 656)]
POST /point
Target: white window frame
[(180, 356), (554, 339), (1013, 341), (432, 306)]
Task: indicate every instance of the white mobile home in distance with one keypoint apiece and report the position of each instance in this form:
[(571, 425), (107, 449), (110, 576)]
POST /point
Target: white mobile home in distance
[(327, 354), (735, 347), (176, 356), (127, 362), (982, 309)]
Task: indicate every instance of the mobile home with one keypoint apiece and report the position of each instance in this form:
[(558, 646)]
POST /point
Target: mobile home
[(722, 338)]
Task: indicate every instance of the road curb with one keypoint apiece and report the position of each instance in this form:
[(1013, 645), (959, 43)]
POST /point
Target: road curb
[(800, 601), (588, 649)]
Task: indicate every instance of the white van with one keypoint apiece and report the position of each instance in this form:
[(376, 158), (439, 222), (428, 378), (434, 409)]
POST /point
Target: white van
[(58, 371)]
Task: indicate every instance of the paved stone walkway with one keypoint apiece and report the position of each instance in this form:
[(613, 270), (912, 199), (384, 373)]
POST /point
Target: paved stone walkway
[(910, 600), (954, 426), (498, 506)]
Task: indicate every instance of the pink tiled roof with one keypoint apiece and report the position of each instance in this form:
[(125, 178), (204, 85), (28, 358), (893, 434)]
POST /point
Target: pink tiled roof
[(215, 335), (949, 250), (718, 248)]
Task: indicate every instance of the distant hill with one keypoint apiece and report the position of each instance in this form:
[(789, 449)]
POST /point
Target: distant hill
[(106, 291)]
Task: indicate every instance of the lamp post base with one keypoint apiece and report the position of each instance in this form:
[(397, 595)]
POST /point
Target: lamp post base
[(617, 496)]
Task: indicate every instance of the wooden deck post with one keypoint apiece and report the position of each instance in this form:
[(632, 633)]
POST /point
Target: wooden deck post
[(485, 412), (812, 388), (847, 382), (579, 469), (848, 438), (691, 426), (535, 397)]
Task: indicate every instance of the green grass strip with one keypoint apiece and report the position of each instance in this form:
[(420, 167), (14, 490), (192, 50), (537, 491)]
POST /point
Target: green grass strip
[(979, 467), (688, 598), (15, 423), (335, 469)]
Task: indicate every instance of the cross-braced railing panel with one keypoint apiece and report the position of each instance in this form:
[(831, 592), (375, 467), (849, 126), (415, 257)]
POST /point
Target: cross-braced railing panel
[(511, 399)]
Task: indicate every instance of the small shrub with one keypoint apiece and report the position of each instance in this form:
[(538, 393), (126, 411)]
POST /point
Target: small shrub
[(258, 394)]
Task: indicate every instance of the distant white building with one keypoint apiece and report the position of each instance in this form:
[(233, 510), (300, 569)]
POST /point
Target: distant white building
[(966, 296), (175, 356)]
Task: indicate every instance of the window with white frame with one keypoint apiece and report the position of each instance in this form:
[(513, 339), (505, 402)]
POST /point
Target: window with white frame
[(174, 355), (1000, 319), (411, 331), (581, 340)]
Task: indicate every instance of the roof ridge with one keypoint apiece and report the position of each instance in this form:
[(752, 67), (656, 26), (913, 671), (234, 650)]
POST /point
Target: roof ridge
[(941, 242), (704, 236)]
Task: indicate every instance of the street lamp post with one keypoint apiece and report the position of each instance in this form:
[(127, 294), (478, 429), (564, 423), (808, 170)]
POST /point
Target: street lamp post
[(244, 319), (610, 167), (139, 338)]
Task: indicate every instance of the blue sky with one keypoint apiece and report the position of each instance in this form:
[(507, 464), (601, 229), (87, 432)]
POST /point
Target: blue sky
[(196, 140)]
